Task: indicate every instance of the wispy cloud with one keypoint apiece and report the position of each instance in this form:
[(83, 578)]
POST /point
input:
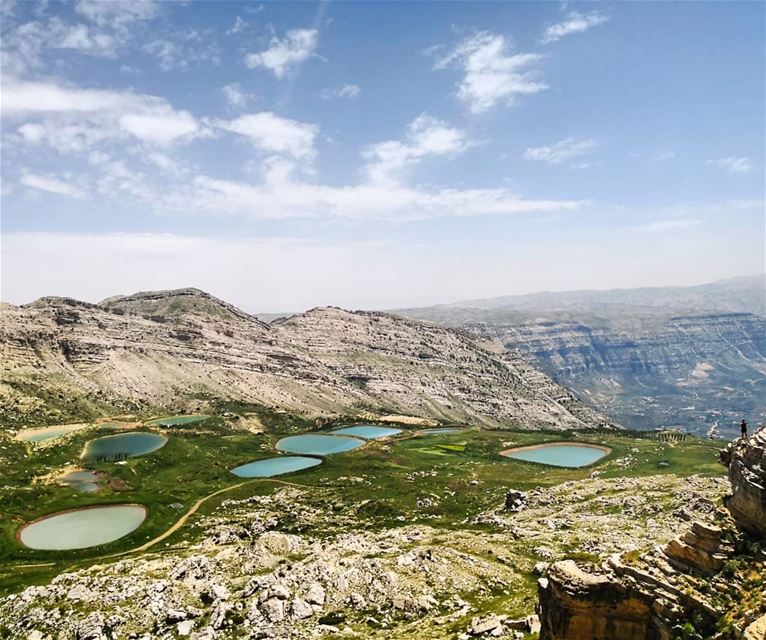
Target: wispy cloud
[(491, 74), (585, 165), (575, 23), (294, 199), (51, 185), (667, 225), (236, 96), (562, 150), (664, 156), (426, 136), (346, 91), (283, 54), (117, 13), (181, 50), (732, 164)]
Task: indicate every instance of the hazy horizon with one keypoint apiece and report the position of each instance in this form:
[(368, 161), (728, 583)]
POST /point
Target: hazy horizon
[(379, 155), (268, 312)]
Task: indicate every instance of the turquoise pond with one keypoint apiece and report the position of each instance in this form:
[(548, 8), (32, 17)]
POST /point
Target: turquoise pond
[(318, 445), (559, 454), (367, 431), (176, 420), (274, 466), (82, 528), (123, 445)]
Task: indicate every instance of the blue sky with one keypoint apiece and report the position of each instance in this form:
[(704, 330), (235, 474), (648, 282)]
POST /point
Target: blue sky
[(287, 155)]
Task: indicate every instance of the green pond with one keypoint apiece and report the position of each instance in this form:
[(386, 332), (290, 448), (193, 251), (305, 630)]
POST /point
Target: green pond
[(318, 445), (82, 528), (123, 445), (275, 466), (85, 481), (176, 420), (559, 454), (367, 431)]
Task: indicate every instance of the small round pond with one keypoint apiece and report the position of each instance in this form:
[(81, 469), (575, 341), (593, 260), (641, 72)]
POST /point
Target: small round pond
[(274, 466), (176, 420), (559, 454), (123, 445), (318, 445), (367, 431), (82, 528)]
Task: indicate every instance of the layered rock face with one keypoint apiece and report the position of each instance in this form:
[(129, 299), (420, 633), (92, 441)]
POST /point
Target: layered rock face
[(696, 371), (691, 588), (61, 359), (746, 460)]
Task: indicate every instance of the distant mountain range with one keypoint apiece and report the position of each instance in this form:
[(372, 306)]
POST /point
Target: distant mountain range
[(693, 357)]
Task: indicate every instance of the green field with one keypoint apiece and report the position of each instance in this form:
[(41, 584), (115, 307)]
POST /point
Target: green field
[(197, 457)]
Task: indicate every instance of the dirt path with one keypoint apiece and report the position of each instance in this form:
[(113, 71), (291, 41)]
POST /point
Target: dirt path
[(182, 520), (176, 526)]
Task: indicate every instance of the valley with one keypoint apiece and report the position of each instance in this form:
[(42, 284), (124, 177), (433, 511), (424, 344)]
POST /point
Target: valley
[(692, 358), (407, 531), (175, 467)]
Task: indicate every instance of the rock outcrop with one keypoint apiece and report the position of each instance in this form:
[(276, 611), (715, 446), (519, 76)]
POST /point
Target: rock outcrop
[(746, 460), (695, 587), (62, 360)]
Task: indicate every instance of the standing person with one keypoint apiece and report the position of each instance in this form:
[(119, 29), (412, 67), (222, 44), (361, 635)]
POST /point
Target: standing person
[(743, 428)]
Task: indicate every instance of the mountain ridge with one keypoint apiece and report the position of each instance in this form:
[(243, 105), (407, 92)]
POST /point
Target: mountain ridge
[(180, 349)]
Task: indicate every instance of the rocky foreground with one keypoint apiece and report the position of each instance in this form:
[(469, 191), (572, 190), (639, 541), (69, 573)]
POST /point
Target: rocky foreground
[(708, 583), (62, 360), (245, 577)]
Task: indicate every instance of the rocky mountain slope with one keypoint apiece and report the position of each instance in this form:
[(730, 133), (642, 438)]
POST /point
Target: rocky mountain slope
[(68, 360), (706, 584), (693, 357)]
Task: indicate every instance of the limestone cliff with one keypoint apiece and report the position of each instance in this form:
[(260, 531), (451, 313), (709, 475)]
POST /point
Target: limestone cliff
[(746, 460), (706, 584)]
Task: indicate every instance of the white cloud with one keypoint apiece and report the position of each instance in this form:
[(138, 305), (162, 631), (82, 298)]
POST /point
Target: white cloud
[(274, 134), (160, 127), (72, 119), (283, 55), (575, 23), (426, 136), (235, 96), (289, 199), (667, 225), (117, 13), (732, 164), (491, 74), (346, 91), (51, 185), (562, 150)]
